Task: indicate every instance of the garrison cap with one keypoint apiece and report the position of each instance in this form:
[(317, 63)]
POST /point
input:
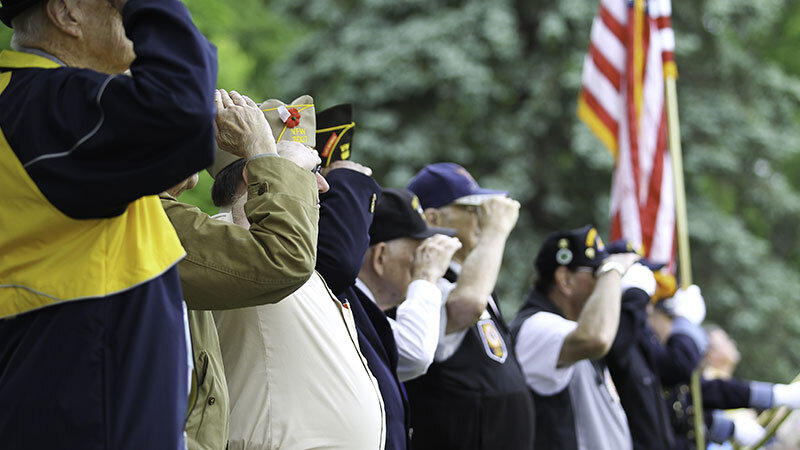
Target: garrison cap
[(581, 247), (335, 128), (10, 8), (294, 122), (398, 214)]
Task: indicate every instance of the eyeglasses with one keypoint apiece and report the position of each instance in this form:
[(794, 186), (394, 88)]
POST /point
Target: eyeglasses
[(586, 269), (316, 170), (471, 209)]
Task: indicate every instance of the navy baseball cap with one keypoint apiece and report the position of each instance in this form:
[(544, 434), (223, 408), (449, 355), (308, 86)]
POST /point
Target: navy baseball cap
[(441, 184), (398, 214), (624, 246), (581, 247), (10, 8)]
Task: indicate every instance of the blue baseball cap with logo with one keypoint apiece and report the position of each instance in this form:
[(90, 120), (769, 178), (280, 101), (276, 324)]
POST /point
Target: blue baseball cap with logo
[(442, 184)]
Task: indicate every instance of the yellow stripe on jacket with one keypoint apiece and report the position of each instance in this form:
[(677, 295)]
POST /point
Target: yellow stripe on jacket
[(47, 257)]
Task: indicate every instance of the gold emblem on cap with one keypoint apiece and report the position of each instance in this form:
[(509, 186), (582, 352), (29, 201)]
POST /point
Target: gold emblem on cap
[(563, 243), (590, 253), (415, 204), (590, 237), (372, 203)]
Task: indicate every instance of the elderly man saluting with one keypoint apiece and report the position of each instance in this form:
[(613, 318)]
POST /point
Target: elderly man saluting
[(92, 338)]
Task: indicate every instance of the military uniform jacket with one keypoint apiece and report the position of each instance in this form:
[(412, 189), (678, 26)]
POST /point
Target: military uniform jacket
[(633, 370), (345, 217), (475, 399)]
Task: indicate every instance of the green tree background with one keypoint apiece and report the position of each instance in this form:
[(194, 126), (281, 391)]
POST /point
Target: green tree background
[(493, 86)]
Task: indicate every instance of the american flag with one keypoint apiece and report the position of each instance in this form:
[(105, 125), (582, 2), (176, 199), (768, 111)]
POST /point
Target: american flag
[(631, 51)]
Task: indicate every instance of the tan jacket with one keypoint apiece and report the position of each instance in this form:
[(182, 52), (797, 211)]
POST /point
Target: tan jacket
[(297, 378), (227, 266)]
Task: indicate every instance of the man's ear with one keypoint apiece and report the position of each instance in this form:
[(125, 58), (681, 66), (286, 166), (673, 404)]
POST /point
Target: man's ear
[(562, 279), (378, 257), (433, 216), (63, 14)]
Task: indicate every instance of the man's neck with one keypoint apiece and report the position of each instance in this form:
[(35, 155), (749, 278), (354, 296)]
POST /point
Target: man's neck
[(372, 291), (564, 304)]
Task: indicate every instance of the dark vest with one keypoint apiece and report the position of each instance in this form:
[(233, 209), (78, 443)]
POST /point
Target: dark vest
[(634, 371), (477, 398), (377, 344), (555, 420)]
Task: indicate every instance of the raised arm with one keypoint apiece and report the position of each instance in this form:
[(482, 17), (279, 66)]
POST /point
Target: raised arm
[(115, 138), (599, 320), (228, 266), (468, 300)]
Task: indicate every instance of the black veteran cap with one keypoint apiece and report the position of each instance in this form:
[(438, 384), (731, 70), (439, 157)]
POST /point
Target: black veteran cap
[(335, 128), (10, 8), (398, 214), (581, 247)]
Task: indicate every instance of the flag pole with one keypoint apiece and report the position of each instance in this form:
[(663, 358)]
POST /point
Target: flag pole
[(681, 222)]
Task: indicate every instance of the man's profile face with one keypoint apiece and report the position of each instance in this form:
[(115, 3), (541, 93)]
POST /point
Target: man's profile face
[(583, 282), (464, 218), (105, 37), (399, 264)]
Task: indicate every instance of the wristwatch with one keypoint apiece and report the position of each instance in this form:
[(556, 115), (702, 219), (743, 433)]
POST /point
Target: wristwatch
[(608, 267)]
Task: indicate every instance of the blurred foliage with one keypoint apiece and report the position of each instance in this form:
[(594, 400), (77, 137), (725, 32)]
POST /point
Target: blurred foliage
[(493, 86)]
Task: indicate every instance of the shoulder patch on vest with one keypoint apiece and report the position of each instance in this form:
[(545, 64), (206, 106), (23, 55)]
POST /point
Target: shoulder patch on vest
[(492, 340)]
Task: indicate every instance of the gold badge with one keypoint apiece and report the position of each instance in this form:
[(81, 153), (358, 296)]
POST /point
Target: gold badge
[(493, 342), (590, 253)]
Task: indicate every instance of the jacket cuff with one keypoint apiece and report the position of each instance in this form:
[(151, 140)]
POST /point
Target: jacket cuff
[(721, 428), (761, 396), (280, 176)]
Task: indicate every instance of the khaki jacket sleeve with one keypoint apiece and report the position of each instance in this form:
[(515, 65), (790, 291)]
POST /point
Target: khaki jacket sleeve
[(228, 266)]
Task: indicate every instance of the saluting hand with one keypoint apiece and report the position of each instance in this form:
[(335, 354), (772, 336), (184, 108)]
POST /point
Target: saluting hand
[(240, 126), (498, 214), (305, 157), (433, 256)]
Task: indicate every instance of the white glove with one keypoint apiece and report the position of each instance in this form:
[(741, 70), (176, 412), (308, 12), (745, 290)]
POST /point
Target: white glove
[(747, 431), (639, 276), (689, 303), (787, 395)]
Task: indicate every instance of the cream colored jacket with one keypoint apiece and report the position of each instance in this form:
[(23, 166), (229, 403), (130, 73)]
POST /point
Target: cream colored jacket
[(296, 376)]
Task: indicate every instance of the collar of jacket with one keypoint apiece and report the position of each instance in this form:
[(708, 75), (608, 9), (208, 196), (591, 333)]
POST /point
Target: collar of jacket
[(10, 59)]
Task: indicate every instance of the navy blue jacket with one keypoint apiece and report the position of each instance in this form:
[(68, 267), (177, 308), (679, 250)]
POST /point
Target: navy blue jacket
[(633, 369), (93, 142), (345, 217)]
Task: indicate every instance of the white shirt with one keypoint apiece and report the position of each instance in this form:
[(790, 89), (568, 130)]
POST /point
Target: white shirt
[(416, 328), (538, 346), (449, 343)]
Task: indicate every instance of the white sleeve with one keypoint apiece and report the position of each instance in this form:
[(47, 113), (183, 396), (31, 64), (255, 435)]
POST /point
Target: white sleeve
[(448, 343), (416, 329), (538, 345)]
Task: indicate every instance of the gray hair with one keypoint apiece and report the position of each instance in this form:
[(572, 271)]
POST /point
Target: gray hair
[(30, 26)]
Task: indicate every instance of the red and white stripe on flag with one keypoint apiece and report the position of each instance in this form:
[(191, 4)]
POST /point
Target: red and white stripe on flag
[(631, 50)]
